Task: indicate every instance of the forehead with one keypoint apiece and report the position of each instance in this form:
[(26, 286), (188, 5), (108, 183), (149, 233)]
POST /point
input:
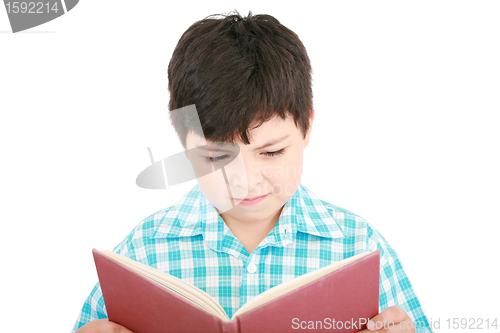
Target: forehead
[(275, 128)]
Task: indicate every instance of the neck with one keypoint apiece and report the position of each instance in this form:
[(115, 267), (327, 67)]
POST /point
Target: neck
[(251, 233)]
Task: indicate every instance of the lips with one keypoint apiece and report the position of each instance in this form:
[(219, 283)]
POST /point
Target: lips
[(250, 199)]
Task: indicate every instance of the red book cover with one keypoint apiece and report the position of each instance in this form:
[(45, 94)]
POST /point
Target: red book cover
[(345, 297)]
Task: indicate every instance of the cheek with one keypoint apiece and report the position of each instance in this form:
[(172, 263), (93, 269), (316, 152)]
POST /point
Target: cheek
[(287, 174), (293, 167), (214, 187)]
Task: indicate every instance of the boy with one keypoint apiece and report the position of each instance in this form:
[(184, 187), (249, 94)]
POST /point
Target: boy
[(250, 225)]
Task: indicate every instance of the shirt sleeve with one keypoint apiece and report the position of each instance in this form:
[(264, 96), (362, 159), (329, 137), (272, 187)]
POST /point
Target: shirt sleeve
[(395, 287), (92, 309)]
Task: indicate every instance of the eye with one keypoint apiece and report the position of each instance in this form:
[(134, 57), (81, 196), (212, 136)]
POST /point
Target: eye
[(223, 157), (215, 159), (275, 153)]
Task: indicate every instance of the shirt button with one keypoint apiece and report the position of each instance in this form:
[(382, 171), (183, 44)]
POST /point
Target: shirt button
[(252, 268)]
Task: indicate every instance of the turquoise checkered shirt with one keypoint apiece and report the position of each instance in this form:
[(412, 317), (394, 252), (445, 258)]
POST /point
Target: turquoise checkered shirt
[(190, 240)]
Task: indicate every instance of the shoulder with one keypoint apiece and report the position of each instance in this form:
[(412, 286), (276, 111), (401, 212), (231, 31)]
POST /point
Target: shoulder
[(352, 224), (141, 234), (141, 241), (359, 230), (356, 227)]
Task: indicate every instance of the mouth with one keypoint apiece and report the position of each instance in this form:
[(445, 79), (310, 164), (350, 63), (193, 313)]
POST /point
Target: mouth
[(250, 199), (254, 199)]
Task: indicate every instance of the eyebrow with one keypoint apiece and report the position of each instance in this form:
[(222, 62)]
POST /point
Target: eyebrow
[(213, 145), (217, 146), (273, 142)]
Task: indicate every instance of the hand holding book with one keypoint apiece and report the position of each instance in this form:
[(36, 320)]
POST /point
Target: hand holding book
[(103, 326)]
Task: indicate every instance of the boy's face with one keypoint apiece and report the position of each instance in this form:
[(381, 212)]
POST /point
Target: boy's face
[(249, 171)]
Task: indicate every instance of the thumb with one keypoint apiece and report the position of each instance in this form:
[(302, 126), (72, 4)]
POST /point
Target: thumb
[(392, 314)]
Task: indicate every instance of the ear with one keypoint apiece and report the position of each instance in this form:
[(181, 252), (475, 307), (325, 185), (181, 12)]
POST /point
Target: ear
[(308, 134)]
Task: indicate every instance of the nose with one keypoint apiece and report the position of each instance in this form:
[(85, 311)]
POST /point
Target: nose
[(243, 174)]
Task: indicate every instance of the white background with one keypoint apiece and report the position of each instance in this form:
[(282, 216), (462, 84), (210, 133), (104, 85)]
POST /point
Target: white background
[(406, 136)]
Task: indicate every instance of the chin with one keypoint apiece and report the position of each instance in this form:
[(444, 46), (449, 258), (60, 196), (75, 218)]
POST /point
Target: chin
[(251, 217)]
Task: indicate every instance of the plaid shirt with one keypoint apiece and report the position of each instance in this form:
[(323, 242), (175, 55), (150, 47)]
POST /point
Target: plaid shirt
[(190, 240)]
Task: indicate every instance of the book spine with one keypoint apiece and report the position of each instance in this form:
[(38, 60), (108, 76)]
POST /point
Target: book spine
[(232, 326)]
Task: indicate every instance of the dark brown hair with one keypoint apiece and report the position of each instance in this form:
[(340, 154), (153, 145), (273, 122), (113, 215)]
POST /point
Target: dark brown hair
[(239, 71)]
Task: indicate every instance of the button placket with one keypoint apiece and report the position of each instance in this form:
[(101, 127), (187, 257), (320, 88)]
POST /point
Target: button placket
[(251, 268)]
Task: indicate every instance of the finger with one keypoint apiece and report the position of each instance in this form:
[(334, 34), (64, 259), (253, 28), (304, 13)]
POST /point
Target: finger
[(383, 330), (115, 328), (393, 314)]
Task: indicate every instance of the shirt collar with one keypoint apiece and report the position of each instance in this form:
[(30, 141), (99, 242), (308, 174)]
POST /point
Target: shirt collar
[(194, 215)]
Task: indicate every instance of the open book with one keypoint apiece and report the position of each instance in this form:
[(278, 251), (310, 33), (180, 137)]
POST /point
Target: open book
[(144, 299)]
